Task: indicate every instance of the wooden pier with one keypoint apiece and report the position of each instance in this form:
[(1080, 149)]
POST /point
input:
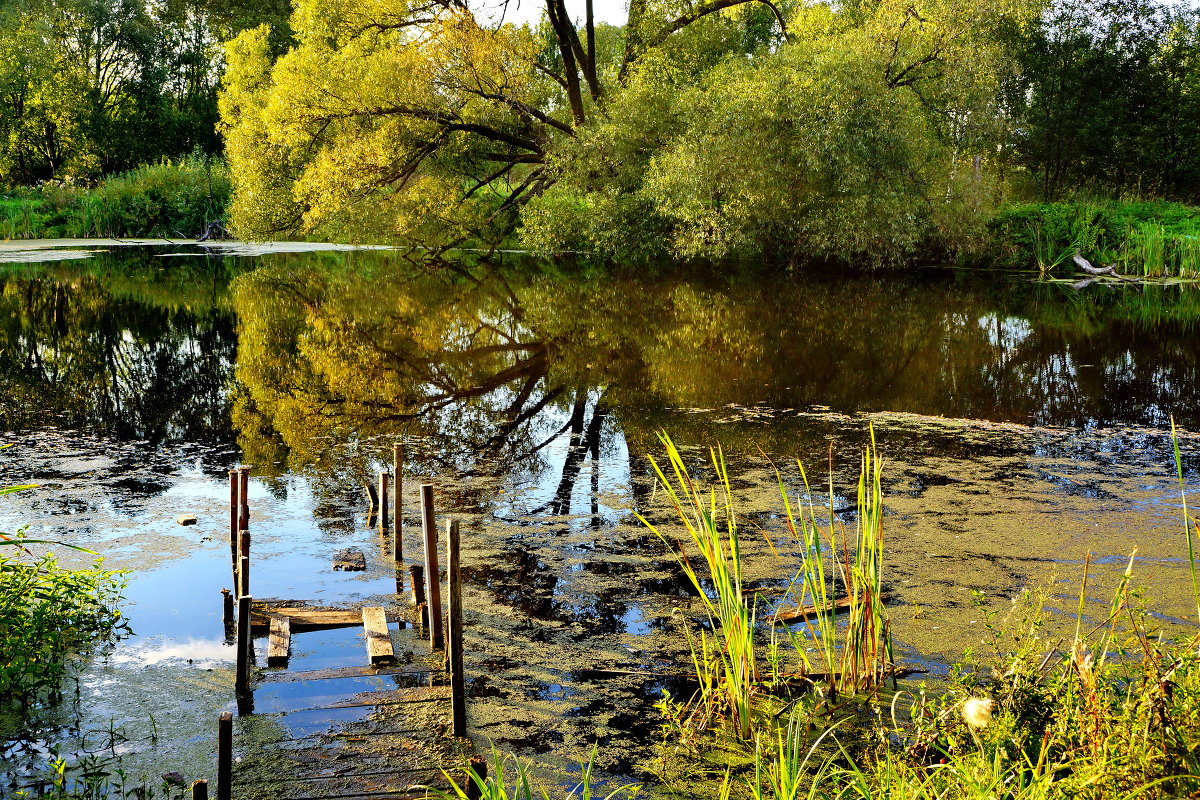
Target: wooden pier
[(385, 727)]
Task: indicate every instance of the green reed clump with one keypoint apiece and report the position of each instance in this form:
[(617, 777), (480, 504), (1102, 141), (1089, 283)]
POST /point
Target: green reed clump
[(726, 663), (734, 682), (865, 657), (48, 615)]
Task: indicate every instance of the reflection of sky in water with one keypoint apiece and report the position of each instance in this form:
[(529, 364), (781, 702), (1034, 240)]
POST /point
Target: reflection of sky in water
[(197, 652), (604, 483)]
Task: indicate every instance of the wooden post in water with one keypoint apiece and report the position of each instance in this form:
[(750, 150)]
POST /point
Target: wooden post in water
[(478, 766), (225, 756), (383, 501), (200, 790), (431, 568), (244, 645), (397, 524), (244, 575), (227, 608), (243, 498), (458, 693), (234, 505), (243, 571)]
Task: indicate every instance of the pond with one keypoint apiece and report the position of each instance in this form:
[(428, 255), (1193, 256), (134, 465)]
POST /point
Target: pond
[(1023, 424)]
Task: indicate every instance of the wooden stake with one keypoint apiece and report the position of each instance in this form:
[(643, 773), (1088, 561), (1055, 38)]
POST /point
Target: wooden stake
[(241, 574), (233, 521), (383, 501), (397, 524), (200, 790), (227, 606), (225, 756), (477, 765), (417, 573), (458, 694), (244, 645), (372, 498), (243, 498), (436, 640)]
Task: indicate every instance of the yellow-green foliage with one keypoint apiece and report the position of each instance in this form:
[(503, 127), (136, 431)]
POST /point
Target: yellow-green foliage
[(331, 136), (871, 132)]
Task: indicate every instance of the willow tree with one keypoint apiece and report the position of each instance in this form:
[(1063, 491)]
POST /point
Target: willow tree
[(419, 120), (711, 129)]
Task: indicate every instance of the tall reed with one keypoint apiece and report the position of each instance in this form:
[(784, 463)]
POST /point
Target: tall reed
[(854, 656), (865, 657), (725, 662)]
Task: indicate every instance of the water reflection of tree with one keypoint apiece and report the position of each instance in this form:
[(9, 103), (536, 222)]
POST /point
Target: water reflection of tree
[(74, 353), (488, 371)]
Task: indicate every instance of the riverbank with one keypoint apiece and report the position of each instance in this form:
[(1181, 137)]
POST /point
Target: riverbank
[(1157, 239), (176, 201)]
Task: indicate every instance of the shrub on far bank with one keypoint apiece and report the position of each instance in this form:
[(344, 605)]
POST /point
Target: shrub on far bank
[(1154, 238), (170, 199)]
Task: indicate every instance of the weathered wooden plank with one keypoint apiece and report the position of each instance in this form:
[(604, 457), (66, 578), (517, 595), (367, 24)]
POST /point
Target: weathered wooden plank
[(279, 644), (385, 785), (379, 640), (344, 672), (313, 618), (387, 697)]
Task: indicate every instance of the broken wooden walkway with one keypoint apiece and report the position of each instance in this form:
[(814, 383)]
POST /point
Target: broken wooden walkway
[(377, 729), (383, 721)]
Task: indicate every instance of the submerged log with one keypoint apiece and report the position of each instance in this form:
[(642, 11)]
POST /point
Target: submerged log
[(794, 615)]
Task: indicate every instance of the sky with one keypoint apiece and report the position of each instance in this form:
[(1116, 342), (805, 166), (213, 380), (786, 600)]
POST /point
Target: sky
[(518, 11)]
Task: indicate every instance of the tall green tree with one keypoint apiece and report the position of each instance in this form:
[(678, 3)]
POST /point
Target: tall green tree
[(91, 87), (1106, 101)]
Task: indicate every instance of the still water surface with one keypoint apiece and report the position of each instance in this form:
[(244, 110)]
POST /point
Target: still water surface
[(1023, 425)]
